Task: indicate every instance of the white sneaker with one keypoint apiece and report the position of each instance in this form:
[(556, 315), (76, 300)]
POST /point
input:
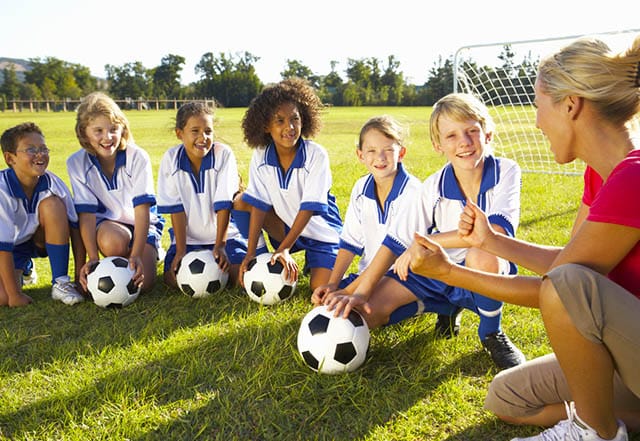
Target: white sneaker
[(31, 278), (574, 429), (65, 291)]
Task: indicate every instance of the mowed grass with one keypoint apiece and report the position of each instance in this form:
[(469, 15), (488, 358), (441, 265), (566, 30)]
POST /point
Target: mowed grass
[(172, 368)]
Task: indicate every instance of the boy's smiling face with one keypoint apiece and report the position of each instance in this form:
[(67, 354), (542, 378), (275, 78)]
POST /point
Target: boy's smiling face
[(31, 157), (464, 143)]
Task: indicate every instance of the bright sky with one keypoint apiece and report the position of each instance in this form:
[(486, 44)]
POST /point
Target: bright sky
[(417, 32)]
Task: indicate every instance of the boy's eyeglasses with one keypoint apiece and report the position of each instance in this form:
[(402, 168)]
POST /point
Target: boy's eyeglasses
[(33, 151)]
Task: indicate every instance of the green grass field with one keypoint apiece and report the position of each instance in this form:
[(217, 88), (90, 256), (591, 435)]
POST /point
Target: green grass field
[(172, 368)]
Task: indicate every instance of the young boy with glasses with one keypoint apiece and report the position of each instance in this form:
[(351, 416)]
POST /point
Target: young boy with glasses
[(37, 217)]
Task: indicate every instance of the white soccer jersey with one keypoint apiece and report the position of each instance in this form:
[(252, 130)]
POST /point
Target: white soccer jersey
[(305, 186), (19, 214), (366, 223), (113, 199), (199, 196), (441, 202)]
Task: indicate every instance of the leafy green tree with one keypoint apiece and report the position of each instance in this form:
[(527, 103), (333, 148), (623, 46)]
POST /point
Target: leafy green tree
[(440, 81), (331, 86), (393, 80), (131, 80), (230, 79), (10, 87), (166, 77), (68, 80), (295, 68)]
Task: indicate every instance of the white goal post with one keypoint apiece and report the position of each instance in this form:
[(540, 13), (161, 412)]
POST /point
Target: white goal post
[(502, 75)]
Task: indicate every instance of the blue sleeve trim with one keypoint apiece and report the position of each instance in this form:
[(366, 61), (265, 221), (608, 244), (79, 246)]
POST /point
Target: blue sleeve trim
[(144, 199), (86, 208), (395, 247), (170, 209), (222, 205), (255, 202), (316, 207), (75, 225), (6, 246), (498, 219), (349, 247)]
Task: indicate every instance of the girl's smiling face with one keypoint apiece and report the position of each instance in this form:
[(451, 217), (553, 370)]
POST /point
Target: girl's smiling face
[(285, 126), (197, 137), (380, 154), (104, 136)]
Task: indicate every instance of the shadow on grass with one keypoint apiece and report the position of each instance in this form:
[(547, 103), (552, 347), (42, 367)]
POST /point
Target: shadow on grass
[(533, 221), (39, 334), (244, 382)]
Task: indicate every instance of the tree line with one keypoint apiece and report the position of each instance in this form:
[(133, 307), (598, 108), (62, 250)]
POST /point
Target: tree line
[(232, 81)]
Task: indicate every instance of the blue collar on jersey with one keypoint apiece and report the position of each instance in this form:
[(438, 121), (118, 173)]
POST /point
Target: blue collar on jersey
[(15, 187), (399, 183), (208, 161), (198, 180), (490, 176), (271, 158), (121, 161), (271, 155)]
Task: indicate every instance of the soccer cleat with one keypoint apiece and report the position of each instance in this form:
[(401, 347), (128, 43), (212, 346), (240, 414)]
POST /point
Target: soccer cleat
[(65, 291), (448, 326), (503, 353), (574, 429), (30, 277)]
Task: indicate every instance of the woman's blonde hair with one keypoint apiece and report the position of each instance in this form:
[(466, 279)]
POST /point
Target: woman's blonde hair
[(587, 68)]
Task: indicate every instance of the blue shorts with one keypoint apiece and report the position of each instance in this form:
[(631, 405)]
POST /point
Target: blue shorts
[(235, 249), (346, 281), (318, 254), (435, 295), (24, 252)]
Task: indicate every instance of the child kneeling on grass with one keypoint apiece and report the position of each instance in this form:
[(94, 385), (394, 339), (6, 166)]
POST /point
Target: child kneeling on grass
[(37, 215)]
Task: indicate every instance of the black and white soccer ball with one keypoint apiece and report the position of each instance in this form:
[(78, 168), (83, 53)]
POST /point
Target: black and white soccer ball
[(110, 283), (199, 274), (265, 283), (333, 345)]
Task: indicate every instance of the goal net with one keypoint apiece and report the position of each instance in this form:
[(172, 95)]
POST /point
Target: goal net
[(502, 75)]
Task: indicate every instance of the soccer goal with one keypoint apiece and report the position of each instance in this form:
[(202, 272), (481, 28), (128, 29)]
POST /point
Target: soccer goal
[(502, 75)]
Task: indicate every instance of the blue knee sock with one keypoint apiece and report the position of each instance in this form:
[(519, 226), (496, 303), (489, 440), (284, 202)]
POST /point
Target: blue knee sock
[(490, 312), (404, 312), (58, 259)]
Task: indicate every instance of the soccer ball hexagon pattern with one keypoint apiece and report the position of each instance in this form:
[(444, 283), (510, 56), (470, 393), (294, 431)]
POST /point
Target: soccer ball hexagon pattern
[(332, 345), (109, 283), (265, 283), (199, 274)]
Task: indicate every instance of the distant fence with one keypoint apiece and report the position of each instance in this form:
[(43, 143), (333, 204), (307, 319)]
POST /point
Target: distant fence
[(69, 105)]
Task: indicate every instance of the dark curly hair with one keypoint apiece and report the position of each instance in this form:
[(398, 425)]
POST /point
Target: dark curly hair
[(262, 109)]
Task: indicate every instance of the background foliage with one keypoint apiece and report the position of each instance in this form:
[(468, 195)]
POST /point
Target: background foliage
[(232, 81)]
